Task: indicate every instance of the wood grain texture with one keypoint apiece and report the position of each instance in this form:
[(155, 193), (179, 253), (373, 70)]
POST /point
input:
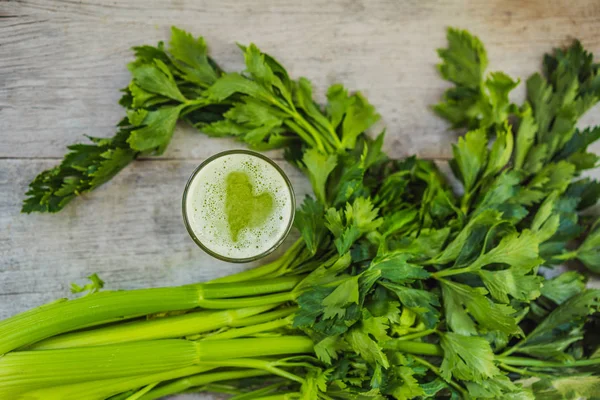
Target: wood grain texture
[(62, 63)]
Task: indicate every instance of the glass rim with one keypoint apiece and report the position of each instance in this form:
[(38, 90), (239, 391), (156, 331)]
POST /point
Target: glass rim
[(220, 256)]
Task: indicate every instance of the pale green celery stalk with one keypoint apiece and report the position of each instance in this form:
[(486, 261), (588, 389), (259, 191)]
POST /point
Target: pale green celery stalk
[(186, 383), (255, 320), (264, 317), (102, 389), (407, 346), (221, 388), (531, 362), (429, 349), (273, 366), (60, 317), (25, 371), (122, 396), (55, 318), (158, 328), (28, 370), (273, 269), (240, 289), (252, 329), (222, 304), (137, 395)]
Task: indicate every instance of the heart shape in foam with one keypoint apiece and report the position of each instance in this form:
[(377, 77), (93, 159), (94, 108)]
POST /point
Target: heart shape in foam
[(244, 209)]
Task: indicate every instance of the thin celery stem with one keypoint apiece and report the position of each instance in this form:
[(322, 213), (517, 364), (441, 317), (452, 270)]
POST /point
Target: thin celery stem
[(265, 270), (264, 317), (417, 334), (242, 302), (255, 363), (186, 383), (524, 372), (335, 144), (566, 256), (250, 330), (254, 347), (250, 274), (241, 289), (407, 346), (158, 328), (215, 388), (530, 362), (449, 272), (102, 389), (120, 396), (138, 395), (304, 135)]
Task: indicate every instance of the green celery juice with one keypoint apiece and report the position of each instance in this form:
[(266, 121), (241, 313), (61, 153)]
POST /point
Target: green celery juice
[(238, 206)]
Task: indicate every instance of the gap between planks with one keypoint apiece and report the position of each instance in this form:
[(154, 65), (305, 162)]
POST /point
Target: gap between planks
[(151, 159)]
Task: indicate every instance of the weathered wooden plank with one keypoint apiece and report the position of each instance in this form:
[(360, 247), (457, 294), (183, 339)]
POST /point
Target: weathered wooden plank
[(63, 62), (130, 231)]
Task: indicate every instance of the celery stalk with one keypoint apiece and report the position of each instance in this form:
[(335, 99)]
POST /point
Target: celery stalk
[(60, 317), (102, 389), (259, 319), (186, 383), (251, 329), (221, 304), (414, 347), (283, 264), (264, 317), (28, 370), (241, 289), (159, 328), (52, 319), (137, 395)]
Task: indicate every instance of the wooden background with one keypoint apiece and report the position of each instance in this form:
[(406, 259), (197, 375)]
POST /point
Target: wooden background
[(62, 63)]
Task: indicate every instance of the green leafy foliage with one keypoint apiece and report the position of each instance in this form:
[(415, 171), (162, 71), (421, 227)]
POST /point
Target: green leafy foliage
[(562, 326), (475, 101), (164, 85), (310, 221), (318, 167), (461, 302), (269, 109), (589, 251), (470, 157), (349, 224), (468, 358), (84, 168)]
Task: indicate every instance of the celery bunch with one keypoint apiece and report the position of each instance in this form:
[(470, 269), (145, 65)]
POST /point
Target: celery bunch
[(399, 287)]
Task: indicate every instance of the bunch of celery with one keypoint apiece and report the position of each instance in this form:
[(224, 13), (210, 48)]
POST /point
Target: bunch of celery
[(399, 287)]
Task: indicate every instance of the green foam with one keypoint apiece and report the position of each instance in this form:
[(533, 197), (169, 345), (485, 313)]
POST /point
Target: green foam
[(243, 208)]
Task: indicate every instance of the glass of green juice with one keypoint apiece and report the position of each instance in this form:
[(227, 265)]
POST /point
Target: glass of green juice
[(238, 206)]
